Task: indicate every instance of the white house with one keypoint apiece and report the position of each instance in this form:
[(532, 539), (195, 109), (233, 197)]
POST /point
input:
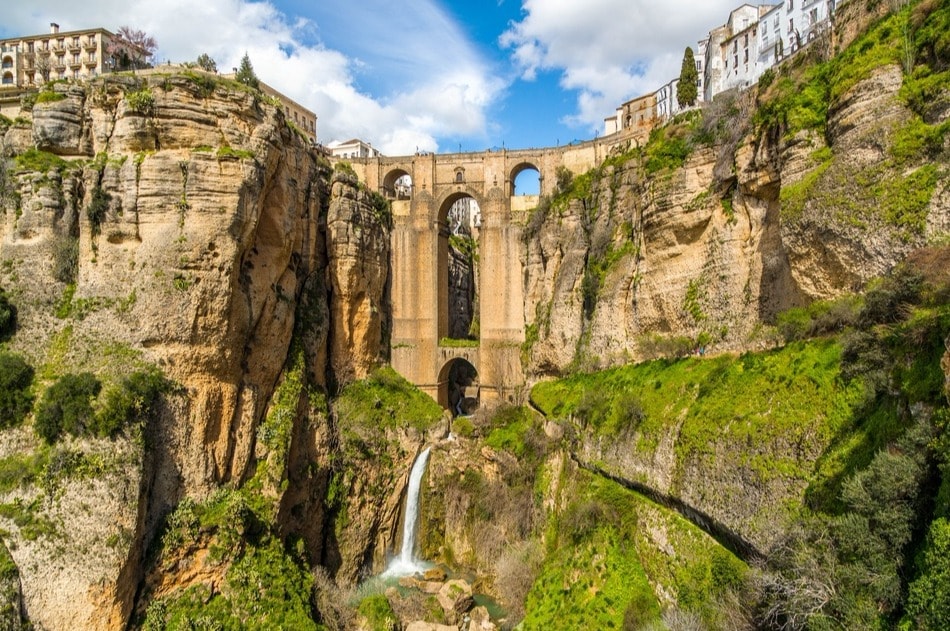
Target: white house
[(667, 105), (732, 51), (788, 26), (353, 148)]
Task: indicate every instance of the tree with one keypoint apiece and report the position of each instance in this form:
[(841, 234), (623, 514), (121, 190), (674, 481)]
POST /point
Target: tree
[(43, 67), (205, 62), (130, 47), (686, 91), (245, 73)]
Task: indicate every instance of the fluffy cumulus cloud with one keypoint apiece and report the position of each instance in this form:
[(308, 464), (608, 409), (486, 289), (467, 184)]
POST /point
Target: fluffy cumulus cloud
[(608, 50), (422, 97)]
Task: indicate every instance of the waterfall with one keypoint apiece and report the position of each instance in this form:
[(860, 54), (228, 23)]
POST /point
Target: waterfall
[(406, 563)]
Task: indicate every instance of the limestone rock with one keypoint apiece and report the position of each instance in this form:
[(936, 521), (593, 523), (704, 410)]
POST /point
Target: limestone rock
[(456, 597)]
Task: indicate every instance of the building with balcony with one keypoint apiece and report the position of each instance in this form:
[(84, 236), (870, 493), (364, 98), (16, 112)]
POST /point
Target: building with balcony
[(32, 60), (789, 25), (732, 51)]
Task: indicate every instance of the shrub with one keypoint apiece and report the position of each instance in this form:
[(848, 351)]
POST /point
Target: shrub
[(16, 377), (128, 401), (98, 207), (67, 406), (141, 102), (7, 316), (378, 612), (66, 259)]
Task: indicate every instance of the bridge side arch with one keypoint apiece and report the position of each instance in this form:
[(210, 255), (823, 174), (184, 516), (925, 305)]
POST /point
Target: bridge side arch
[(397, 183), (518, 169)]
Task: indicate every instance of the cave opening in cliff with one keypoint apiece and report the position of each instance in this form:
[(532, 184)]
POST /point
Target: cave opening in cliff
[(459, 387), (458, 269)]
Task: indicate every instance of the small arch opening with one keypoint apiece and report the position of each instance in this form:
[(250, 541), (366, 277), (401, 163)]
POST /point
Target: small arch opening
[(397, 185), (459, 389), (526, 180)]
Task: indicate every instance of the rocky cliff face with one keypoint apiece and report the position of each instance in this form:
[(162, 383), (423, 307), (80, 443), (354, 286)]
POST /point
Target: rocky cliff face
[(173, 220), (655, 260)]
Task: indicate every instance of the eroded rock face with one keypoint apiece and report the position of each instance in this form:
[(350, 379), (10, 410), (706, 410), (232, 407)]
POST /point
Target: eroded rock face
[(212, 218), (712, 252)]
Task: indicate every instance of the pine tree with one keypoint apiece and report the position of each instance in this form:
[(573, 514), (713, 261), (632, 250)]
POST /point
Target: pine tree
[(245, 73), (686, 91)]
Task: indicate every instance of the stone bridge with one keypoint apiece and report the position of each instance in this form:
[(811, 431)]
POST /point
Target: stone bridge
[(421, 351)]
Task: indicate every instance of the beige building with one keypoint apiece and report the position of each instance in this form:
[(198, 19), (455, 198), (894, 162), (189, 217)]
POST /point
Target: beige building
[(294, 112), (639, 113), (34, 59)]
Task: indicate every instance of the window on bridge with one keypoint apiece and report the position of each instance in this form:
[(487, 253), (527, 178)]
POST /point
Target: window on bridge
[(458, 387)]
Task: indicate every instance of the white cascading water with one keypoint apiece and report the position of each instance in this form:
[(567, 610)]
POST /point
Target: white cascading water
[(406, 563)]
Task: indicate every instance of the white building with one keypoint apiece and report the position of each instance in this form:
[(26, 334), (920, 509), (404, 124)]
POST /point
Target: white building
[(788, 26), (667, 105), (353, 148), (732, 51)]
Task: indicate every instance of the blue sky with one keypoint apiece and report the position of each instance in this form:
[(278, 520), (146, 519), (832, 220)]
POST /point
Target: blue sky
[(432, 75)]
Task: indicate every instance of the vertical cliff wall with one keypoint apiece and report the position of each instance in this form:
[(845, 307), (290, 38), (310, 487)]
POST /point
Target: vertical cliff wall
[(173, 220)]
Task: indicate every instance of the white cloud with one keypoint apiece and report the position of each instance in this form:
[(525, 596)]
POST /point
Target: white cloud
[(608, 50), (435, 83)]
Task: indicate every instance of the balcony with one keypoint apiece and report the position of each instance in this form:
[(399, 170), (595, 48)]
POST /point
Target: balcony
[(90, 44), (75, 63), (75, 47), (91, 62)]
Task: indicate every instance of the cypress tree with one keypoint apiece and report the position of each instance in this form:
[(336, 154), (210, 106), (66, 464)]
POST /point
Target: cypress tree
[(245, 73), (686, 91)]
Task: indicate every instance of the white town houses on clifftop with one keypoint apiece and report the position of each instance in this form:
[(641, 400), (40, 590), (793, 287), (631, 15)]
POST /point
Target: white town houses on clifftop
[(733, 56)]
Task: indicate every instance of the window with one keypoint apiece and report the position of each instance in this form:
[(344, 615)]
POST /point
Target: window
[(8, 62), (76, 41), (791, 25), (7, 78), (791, 5), (75, 58), (775, 24), (29, 47), (699, 66), (91, 58), (76, 74), (746, 40), (746, 55)]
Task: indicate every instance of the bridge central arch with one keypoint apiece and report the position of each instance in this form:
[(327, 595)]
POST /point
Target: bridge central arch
[(459, 228)]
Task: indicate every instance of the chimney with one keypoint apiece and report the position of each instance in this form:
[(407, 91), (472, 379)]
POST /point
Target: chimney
[(53, 28)]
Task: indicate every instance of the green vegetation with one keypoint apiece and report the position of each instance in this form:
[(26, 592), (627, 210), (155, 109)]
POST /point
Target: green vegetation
[(67, 406), (378, 613), (386, 400), (686, 90), (98, 207), (39, 161), (49, 96), (226, 151), (16, 400), (141, 101), (602, 564), (245, 73), (7, 316)]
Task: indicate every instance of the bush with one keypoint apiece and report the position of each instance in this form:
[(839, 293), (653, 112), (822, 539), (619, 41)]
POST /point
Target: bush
[(66, 259), (128, 401), (378, 613), (67, 406), (16, 377), (7, 316), (98, 207)]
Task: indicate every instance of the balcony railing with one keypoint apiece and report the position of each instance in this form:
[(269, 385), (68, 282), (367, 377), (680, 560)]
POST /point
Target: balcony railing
[(90, 44)]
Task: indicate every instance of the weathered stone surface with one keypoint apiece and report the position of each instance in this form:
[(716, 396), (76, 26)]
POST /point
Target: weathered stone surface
[(216, 222), (456, 596)]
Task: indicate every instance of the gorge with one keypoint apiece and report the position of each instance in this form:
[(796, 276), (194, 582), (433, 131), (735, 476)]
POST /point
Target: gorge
[(217, 376)]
